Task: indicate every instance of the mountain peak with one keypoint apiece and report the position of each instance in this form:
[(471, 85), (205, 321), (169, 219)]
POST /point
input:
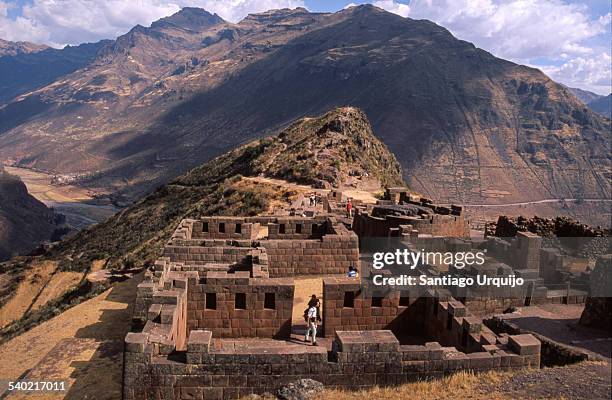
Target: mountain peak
[(323, 151), (276, 15), (192, 18), (8, 48)]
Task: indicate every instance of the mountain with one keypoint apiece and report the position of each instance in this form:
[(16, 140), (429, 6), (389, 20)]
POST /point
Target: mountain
[(14, 48), (602, 105), (331, 149), (584, 95), (325, 150), (24, 221), (27, 66), (466, 126)]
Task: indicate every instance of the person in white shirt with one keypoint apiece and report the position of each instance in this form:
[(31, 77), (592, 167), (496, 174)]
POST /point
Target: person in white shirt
[(311, 319)]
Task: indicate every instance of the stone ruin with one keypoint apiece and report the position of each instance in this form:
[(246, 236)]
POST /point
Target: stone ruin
[(401, 214), (597, 312), (215, 317)]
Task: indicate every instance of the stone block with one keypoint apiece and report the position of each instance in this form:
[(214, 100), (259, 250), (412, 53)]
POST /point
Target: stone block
[(524, 345), (135, 342), (199, 341)]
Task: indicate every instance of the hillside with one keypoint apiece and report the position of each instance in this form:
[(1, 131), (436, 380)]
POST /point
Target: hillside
[(325, 150), (602, 105), (27, 66), (24, 221), (467, 127), (584, 95), (312, 150)]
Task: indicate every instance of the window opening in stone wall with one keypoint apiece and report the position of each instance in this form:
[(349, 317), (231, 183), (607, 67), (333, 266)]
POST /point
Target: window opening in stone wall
[(211, 301), (270, 301), (240, 301), (349, 299)]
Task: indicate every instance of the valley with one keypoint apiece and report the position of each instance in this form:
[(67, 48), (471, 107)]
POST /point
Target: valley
[(77, 204)]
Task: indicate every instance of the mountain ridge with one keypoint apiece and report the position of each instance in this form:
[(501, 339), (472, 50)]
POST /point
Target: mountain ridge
[(457, 117)]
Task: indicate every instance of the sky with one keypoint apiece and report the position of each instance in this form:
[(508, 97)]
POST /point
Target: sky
[(570, 40)]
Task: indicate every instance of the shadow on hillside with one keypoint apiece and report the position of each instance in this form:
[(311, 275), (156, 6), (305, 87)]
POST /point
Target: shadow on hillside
[(115, 320), (100, 377)]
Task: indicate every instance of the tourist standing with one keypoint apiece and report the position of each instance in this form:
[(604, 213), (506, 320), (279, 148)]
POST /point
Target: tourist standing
[(349, 208), (312, 322)]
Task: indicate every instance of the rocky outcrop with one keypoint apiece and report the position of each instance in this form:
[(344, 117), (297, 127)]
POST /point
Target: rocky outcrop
[(598, 308), (303, 389), (8, 48)]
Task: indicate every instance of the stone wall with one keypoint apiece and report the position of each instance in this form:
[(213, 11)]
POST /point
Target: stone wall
[(444, 319), (297, 228), (207, 254), (597, 312), (264, 310), (332, 254), (359, 359), (347, 308), (366, 225), (319, 246), (224, 228)]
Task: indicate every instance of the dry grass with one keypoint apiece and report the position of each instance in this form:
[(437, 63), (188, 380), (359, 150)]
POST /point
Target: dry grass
[(463, 385), (27, 291), (105, 317), (59, 283)]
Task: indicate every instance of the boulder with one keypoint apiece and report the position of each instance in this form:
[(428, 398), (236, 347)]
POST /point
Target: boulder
[(303, 389)]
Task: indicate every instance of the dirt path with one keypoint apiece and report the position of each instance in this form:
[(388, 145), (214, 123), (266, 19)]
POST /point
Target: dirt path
[(364, 191), (544, 201), (304, 288)]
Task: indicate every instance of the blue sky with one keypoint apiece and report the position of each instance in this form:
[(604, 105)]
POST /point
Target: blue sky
[(568, 39)]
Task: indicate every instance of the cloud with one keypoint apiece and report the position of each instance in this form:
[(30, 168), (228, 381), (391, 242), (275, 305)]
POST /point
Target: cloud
[(511, 28), (60, 22), (393, 6), (525, 31), (593, 73)]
